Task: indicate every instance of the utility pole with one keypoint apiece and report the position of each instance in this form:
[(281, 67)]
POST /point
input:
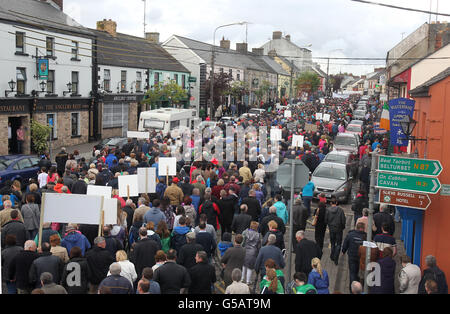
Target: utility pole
[(211, 88), (373, 181), (145, 9), (326, 84), (291, 222), (290, 87)]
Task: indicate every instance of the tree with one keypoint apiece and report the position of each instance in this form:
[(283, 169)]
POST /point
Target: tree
[(307, 82), (335, 82), (238, 89), (263, 89), (39, 137), (170, 92), (221, 87)]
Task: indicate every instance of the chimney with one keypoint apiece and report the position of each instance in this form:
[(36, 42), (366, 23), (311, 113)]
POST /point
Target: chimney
[(107, 26), (152, 37), (272, 53), (258, 51), (438, 43), (288, 37), (242, 48), (225, 44), (277, 35)]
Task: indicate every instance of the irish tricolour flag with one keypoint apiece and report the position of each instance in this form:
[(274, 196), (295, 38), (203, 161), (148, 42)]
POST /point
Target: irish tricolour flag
[(384, 120)]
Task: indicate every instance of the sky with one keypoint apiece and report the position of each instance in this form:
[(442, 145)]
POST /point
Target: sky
[(333, 28)]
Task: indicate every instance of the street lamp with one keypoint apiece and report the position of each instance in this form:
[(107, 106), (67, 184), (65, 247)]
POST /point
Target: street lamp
[(211, 100), (69, 87), (43, 84), (408, 125), (12, 85)]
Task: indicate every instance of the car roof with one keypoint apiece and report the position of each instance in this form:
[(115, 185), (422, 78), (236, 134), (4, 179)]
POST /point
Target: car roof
[(12, 157), (357, 125), (339, 152), (330, 164), (345, 135)]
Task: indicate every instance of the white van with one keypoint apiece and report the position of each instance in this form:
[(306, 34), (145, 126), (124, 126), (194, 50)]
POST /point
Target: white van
[(168, 120)]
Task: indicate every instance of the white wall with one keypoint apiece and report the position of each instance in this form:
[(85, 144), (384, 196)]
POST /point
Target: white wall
[(63, 66), (115, 74), (286, 48), (428, 68)]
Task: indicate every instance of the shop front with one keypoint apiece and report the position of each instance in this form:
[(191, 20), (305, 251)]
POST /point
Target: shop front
[(14, 113)]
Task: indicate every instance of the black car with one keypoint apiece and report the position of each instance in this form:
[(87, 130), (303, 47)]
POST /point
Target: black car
[(117, 142)]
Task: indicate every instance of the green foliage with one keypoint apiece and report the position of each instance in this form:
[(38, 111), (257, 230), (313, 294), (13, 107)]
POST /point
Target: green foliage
[(308, 82), (263, 89), (238, 89), (171, 92), (39, 137)]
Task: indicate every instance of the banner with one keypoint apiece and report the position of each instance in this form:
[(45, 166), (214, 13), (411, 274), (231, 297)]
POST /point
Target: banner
[(43, 68), (398, 109)]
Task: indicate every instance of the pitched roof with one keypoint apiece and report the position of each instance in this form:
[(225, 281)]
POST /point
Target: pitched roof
[(422, 90), (275, 65), (135, 52), (319, 71), (38, 14)]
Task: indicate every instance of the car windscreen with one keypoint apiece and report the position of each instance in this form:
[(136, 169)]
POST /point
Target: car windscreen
[(360, 113), (254, 111), (357, 122), (353, 128), (153, 124), (114, 141), (4, 163), (340, 159), (345, 141), (336, 173)]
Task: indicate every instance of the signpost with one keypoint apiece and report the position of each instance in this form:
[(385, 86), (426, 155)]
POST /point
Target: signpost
[(411, 166), (408, 183), (405, 199)]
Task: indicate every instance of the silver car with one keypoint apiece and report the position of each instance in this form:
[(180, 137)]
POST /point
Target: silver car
[(346, 141), (332, 179)]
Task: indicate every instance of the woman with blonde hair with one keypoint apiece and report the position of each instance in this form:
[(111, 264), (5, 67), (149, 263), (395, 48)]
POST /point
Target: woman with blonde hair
[(318, 277), (127, 268)]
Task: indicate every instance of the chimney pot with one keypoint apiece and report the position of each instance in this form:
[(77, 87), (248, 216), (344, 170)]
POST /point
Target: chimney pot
[(152, 37), (242, 48), (107, 26), (258, 51), (225, 44), (277, 35)]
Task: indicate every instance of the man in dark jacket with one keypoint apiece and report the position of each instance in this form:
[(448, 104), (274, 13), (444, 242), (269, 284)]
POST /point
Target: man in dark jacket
[(254, 207), (266, 252), (116, 283), (242, 221), (143, 254), (226, 205), (61, 159), (77, 266), (335, 219), (14, 227), (384, 217), (203, 275), (359, 203), (19, 269), (433, 272), (206, 240), (305, 251), (263, 227), (46, 262), (112, 244), (299, 216), (9, 251), (172, 278), (352, 242), (186, 187), (186, 255), (99, 259)]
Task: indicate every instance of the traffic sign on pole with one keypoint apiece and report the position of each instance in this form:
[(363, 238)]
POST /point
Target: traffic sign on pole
[(408, 183), (404, 199), (410, 166)]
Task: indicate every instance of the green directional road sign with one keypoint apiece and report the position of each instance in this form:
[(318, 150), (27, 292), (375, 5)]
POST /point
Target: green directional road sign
[(408, 183), (411, 166)]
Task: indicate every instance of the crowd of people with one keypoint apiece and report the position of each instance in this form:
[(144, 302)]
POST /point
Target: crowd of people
[(215, 221)]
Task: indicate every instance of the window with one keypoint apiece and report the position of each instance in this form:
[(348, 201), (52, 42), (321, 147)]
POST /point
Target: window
[(230, 71), (138, 81), (174, 124), (107, 80), (20, 42), (238, 76), (21, 78), (123, 81), (51, 82), (51, 119), (50, 44), (75, 83), (23, 164), (115, 115), (183, 81), (156, 78), (34, 161), (74, 50), (76, 124), (221, 70), (175, 78)]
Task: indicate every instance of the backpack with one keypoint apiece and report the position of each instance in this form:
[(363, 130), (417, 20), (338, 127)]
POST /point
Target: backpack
[(211, 215)]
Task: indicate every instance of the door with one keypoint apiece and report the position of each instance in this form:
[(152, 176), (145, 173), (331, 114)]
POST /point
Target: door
[(13, 123)]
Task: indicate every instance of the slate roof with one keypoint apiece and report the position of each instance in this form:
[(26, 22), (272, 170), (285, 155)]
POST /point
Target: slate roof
[(275, 66), (134, 52), (422, 90), (38, 14)]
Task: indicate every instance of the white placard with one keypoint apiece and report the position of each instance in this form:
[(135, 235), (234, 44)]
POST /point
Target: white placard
[(275, 134), (104, 191), (147, 178), (322, 100), (369, 244), (72, 208), (326, 117), (297, 140), (110, 211), (134, 134), (288, 114), (319, 116), (165, 162), (130, 181)]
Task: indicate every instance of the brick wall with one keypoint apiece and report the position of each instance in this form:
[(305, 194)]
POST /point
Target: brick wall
[(111, 132), (132, 117)]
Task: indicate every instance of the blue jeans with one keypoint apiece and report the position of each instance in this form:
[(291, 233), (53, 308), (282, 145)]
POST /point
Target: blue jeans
[(307, 202), (11, 287)]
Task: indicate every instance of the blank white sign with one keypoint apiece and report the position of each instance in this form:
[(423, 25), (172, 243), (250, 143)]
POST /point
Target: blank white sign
[(171, 163), (326, 117), (287, 114), (110, 210), (72, 208), (275, 134), (130, 181), (133, 134), (297, 140), (147, 178), (99, 190), (319, 116)]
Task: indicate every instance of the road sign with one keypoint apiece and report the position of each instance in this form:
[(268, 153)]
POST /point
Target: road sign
[(284, 176), (410, 166), (408, 183), (405, 199), (445, 191)]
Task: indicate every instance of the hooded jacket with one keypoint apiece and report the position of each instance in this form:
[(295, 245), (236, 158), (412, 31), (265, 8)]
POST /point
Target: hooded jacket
[(75, 238)]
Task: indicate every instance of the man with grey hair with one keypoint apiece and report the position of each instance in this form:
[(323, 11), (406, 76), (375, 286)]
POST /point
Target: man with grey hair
[(99, 259), (48, 286), (356, 287), (384, 217), (5, 214), (264, 227), (242, 221), (116, 283), (19, 268), (142, 208), (237, 287), (305, 251), (433, 272), (269, 251)]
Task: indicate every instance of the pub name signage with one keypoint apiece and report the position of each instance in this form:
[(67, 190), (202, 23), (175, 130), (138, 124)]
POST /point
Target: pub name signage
[(61, 107)]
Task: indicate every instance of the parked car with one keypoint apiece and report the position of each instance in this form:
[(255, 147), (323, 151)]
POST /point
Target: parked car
[(359, 114), (354, 129), (254, 112), (332, 179), (111, 142), (18, 167), (346, 158), (227, 120), (346, 141), (357, 122)]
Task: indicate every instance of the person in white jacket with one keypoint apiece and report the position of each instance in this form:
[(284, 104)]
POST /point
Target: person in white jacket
[(128, 269), (409, 276)]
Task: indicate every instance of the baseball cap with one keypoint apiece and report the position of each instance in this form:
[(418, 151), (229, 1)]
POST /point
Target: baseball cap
[(175, 180)]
